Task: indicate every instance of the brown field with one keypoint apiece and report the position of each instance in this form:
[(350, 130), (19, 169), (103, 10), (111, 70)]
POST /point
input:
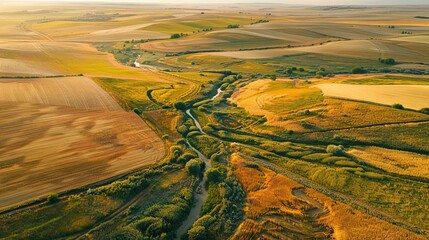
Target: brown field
[(395, 161), (368, 49), (65, 133), (275, 201), (76, 92), (410, 96)]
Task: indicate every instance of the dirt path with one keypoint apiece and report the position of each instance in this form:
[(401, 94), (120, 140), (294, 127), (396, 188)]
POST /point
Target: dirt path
[(386, 124)]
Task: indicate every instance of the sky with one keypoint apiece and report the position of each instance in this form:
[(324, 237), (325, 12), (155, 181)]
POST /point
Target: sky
[(301, 2)]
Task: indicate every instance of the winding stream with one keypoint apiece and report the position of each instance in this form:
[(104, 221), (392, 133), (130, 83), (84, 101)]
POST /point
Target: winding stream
[(188, 111), (219, 91), (136, 63), (201, 195)]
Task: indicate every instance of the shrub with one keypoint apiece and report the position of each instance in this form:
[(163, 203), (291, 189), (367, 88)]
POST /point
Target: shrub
[(233, 26), (165, 137), (358, 70), (335, 150), (179, 105), (201, 162), (137, 111), (176, 35), (193, 167), (389, 61), (424, 110), (53, 198), (398, 106), (213, 175), (197, 233), (186, 157)]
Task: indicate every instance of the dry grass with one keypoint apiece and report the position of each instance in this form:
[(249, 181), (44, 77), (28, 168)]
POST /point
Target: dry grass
[(273, 211), (400, 162), (268, 192), (410, 96)]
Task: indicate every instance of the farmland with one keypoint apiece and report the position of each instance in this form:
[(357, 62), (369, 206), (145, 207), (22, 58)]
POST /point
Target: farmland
[(92, 138), (232, 121)]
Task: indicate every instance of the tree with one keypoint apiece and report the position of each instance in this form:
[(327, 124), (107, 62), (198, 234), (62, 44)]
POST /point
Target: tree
[(424, 110), (389, 61), (176, 35), (213, 175), (179, 105), (358, 70), (193, 167), (335, 150), (398, 106), (233, 26), (53, 198), (137, 111)]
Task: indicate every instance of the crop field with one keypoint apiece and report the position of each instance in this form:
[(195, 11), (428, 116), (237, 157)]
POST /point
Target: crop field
[(387, 80), (367, 49), (75, 92), (401, 162), (410, 96), (213, 121), (92, 138)]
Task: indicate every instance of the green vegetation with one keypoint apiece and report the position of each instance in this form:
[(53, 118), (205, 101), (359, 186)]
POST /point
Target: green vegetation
[(398, 106), (180, 106), (389, 80), (233, 26), (424, 110), (176, 35), (335, 150), (193, 167), (53, 198), (388, 61), (358, 70)]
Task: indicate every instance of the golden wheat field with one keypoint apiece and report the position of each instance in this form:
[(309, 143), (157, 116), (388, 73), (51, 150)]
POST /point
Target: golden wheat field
[(65, 133), (410, 96)]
